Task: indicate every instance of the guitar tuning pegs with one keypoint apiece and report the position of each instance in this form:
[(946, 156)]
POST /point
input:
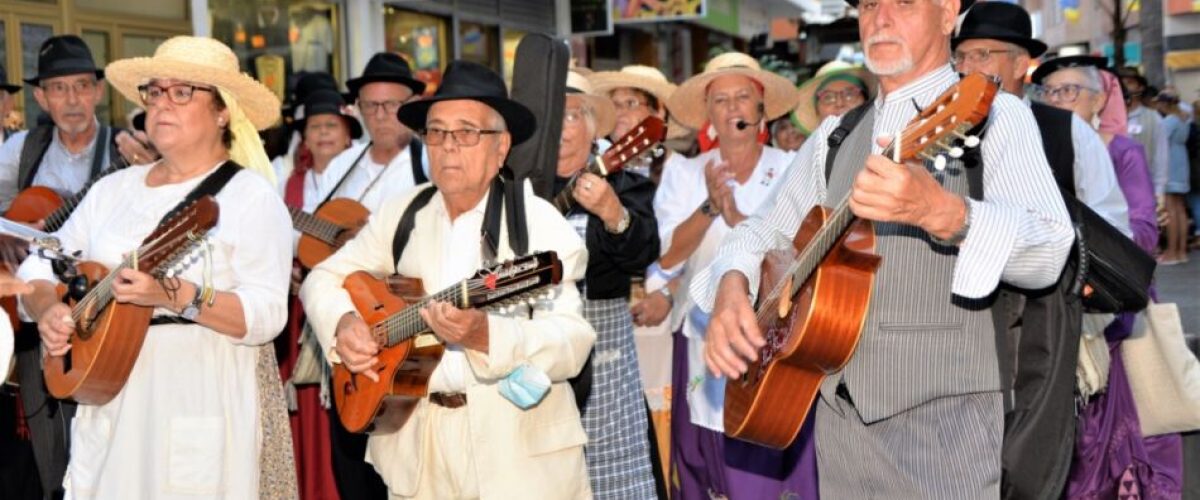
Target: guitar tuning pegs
[(939, 163), (956, 152), (969, 141)]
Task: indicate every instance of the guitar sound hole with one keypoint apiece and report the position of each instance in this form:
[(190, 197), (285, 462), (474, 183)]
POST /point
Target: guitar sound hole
[(350, 387), (775, 338), (67, 362)]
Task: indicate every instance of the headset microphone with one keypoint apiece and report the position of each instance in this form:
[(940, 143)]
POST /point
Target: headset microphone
[(742, 124)]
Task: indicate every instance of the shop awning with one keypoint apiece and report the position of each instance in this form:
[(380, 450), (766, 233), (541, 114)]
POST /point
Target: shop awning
[(1183, 59)]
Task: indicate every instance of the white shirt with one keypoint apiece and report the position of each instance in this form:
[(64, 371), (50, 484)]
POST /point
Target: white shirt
[(61, 170), (461, 246), (186, 422), (681, 191), (1145, 126), (1096, 178), (370, 183)]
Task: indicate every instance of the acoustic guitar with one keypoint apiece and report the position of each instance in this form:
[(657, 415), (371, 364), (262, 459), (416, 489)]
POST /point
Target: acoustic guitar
[(643, 138), (395, 320), (108, 334), (324, 232), (814, 296)]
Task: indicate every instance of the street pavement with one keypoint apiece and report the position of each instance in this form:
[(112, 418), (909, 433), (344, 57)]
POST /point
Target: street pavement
[(1181, 284)]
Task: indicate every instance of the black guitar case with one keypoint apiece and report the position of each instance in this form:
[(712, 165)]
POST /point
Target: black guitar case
[(539, 82)]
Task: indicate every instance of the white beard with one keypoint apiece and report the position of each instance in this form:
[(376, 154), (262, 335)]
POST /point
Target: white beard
[(891, 68)]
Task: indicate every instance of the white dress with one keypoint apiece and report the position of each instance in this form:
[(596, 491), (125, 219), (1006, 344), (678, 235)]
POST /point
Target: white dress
[(186, 424)]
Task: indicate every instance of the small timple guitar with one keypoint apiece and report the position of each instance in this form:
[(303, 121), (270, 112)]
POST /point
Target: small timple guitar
[(644, 137), (324, 232), (814, 297), (108, 334), (404, 368)]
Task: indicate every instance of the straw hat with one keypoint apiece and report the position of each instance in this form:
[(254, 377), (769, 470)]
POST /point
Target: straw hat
[(806, 108), (687, 103), (199, 60), (602, 106), (637, 76)]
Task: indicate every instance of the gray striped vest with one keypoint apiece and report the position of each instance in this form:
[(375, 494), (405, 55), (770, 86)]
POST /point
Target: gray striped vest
[(919, 341)]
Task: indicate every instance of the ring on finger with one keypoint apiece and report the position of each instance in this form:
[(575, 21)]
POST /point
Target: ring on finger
[(587, 185)]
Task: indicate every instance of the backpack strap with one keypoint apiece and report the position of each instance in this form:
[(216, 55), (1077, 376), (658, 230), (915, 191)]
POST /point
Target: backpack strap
[(839, 134), (407, 222), (37, 141), (415, 150)]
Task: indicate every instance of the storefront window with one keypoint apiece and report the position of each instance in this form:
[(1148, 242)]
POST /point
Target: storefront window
[(512, 38), (479, 44), (32, 37), (275, 39), (422, 40), (97, 41)]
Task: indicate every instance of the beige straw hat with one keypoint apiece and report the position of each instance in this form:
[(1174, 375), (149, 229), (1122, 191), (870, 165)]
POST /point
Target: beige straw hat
[(687, 103), (198, 60), (645, 78), (806, 108), (602, 106)]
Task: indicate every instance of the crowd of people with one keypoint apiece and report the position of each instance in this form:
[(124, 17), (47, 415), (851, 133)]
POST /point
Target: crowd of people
[(232, 395)]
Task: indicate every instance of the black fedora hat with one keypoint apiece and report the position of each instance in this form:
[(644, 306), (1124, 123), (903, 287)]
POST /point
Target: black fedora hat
[(327, 102), (4, 85), (468, 80), (962, 7), (999, 21), (64, 55), (1048, 67), (386, 67), (305, 83)]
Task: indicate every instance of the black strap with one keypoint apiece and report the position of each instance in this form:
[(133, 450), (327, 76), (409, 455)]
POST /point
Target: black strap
[(345, 176), (170, 320), (839, 134), (418, 163), (407, 222), (210, 186), (37, 142)]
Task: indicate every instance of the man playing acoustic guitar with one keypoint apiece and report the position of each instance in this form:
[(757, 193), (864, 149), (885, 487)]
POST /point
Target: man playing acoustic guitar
[(486, 428), (918, 410)]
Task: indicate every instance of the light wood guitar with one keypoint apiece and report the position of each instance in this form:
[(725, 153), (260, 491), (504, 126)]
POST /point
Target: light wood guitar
[(324, 232), (814, 296), (643, 138), (394, 318)]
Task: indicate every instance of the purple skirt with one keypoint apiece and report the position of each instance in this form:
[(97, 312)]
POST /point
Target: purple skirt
[(706, 463)]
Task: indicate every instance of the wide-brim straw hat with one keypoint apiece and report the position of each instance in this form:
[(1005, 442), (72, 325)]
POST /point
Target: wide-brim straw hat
[(646, 79), (602, 107), (197, 60), (806, 115), (687, 103)]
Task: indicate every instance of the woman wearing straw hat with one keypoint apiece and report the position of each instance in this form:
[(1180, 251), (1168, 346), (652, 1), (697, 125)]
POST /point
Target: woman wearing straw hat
[(615, 218), (202, 412), (639, 92), (702, 202), (836, 88)]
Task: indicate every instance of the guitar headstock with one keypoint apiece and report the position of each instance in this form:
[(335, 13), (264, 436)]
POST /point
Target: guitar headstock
[(642, 138), (514, 280), (177, 235), (944, 124)]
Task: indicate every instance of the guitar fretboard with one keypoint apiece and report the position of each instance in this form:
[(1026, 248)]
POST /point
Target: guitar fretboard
[(309, 224), (408, 323)]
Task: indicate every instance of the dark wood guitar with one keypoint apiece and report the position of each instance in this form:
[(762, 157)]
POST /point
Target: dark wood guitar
[(391, 307), (108, 334), (324, 232), (40, 203), (814, 296), (644, 137)]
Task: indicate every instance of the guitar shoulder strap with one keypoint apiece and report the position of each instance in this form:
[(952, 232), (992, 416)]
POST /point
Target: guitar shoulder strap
[(210, 186), (505, 196), (38, 140), (345, 176), (415, 149)]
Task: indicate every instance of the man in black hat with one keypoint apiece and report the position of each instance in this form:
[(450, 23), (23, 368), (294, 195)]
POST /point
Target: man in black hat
[(391, 163), (996, 39), (8, 99), (918, 411), (499, 419)]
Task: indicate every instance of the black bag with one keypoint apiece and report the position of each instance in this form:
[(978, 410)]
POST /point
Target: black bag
[(1114, 272)]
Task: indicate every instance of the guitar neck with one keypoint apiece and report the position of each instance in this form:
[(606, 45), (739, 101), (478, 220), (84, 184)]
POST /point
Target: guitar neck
[(408, 323), (311, 225), (99, 297), (564, 201), (56, 219)]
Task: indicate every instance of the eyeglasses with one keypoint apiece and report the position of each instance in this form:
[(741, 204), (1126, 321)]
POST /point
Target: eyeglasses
[(179, 93), (372, 107), (629, 104), (831, 97), (977, 56), (61, 89), (465, 137), (575, 115), (1066, 93)]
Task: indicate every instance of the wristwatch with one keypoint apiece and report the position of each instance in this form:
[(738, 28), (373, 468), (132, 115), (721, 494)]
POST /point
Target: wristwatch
[(192, 310), (707, 209), (622, 224), (666, 292), (960, 235)]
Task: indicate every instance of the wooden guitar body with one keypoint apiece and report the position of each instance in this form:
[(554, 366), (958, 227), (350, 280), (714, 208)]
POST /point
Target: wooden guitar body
[(404, 369), (338, 215), (812, 333), (103, 350), (33, 204)]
